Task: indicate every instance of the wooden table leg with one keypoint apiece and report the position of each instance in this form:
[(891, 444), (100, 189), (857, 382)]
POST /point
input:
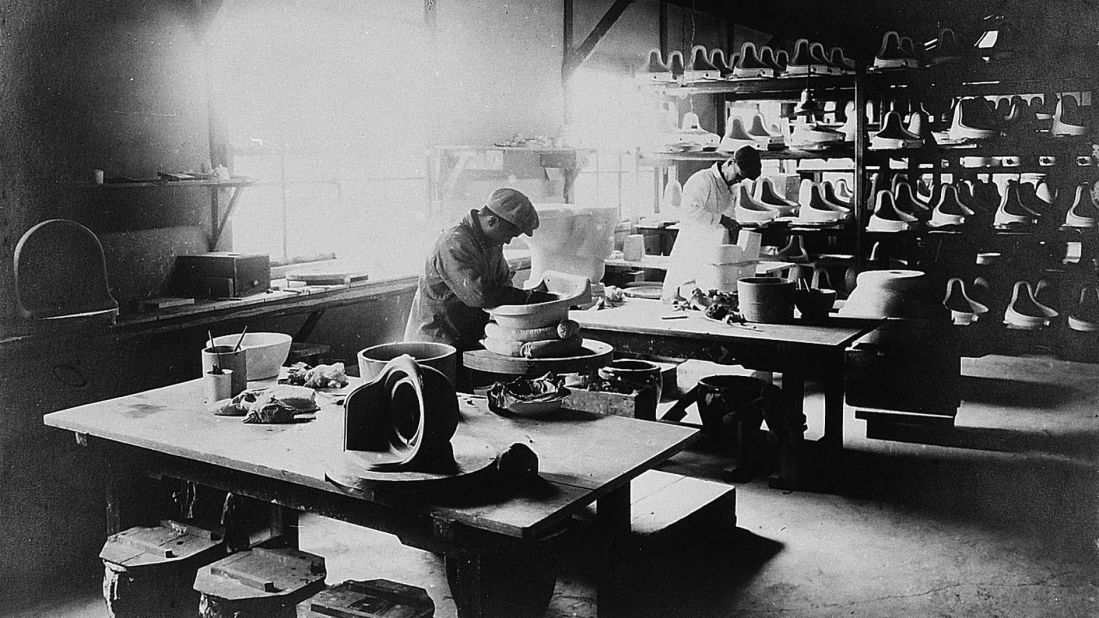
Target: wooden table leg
[(132, 498), (502, 584), (789, 474), (613, 522), (833, 412)]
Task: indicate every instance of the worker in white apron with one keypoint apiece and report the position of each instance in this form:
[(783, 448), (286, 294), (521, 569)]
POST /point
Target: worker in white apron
[(707, 217)]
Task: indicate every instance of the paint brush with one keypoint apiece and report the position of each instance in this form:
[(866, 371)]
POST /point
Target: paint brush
[(210, 337), (239, 341)]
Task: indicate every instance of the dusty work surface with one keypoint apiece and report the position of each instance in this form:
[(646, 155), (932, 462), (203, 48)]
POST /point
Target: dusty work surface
[(1006, 526)]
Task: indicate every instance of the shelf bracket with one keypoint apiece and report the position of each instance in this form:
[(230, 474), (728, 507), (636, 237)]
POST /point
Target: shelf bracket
[(576, 57), (215, 207)]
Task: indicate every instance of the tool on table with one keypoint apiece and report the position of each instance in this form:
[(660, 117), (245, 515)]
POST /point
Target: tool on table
[(210, 338), (236, 348)]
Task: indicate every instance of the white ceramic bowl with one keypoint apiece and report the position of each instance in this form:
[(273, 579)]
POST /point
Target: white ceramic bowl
[(265, 352)]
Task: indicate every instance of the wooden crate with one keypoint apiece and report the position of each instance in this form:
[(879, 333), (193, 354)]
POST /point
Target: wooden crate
[(638, 404)]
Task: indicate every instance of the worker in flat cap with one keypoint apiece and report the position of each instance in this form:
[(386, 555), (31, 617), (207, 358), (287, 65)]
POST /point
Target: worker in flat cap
[(706, 218), (466, 273)]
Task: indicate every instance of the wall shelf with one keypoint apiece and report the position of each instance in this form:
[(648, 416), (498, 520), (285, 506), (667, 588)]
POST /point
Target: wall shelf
[(972, 77), (447, 164), (218, 219)]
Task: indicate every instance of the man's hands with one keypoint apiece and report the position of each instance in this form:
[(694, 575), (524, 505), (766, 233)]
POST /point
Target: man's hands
[(730, 223)]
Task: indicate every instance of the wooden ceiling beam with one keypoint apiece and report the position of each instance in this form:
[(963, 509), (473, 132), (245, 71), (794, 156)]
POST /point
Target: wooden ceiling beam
[(576, 57)]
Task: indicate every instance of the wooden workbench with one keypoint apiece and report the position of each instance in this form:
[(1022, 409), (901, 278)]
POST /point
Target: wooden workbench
[(583, 458), (797, 350)]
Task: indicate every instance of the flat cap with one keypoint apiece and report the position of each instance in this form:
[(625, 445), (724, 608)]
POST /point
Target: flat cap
[(746, 155), (515, 208)]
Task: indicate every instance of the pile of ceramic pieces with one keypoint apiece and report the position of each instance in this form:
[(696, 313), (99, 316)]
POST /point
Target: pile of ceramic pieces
[(540, 329), (752, 61)]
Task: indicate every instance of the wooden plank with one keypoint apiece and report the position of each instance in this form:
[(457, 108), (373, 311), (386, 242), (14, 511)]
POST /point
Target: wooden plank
[(674, 504), (574, 58), (662, 501)]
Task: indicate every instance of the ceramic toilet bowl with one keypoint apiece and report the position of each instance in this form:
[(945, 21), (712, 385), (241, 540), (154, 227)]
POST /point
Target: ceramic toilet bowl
[(572, 239)]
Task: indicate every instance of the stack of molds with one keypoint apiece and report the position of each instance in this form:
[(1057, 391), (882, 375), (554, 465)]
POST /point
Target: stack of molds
[(540, 329), (729, 263)]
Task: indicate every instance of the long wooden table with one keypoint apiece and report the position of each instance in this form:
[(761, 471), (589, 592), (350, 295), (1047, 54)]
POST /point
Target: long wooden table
[(641, 327), (583, 458)]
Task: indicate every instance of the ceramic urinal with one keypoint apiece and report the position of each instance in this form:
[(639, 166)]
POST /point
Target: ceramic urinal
[(572, 239)]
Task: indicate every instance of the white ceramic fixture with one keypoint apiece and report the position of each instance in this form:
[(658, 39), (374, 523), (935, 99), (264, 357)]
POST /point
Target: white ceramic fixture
[(572, 239)]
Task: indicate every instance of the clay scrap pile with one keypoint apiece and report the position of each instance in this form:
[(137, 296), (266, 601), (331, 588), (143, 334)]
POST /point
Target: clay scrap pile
[(282, 404), (541, 328)]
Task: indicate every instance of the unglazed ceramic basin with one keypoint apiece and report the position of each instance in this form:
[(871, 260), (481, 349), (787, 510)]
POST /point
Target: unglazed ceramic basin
[(569, 289)]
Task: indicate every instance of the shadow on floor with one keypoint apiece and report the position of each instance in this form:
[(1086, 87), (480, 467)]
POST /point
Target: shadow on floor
[(666, 575), (1049, 497), (1017, 394), (1079, 445)]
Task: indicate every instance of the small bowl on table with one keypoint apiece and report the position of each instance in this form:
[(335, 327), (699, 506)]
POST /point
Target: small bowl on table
[(265, 353), (814, 303)]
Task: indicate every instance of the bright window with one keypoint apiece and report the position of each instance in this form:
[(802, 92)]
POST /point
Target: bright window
[(609, 113), (324, 104)]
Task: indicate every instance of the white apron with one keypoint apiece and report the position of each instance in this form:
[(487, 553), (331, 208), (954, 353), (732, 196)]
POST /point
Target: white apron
[(705, 198)]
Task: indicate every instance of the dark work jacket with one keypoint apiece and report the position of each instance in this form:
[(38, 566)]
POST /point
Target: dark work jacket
[(463, 277)]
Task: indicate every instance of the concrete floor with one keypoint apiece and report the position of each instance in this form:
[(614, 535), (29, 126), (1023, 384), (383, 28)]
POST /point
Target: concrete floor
[(1003, 523)]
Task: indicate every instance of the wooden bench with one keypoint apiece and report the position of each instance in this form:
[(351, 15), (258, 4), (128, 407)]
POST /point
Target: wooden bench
[(664, 503)]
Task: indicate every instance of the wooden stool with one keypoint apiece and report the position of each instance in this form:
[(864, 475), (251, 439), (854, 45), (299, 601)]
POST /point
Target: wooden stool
[(149, 571), (665, 504), (375, 598), (259, 583)]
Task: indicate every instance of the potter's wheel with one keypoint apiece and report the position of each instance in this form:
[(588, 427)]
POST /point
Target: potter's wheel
[(593, 354), (353, 470)]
